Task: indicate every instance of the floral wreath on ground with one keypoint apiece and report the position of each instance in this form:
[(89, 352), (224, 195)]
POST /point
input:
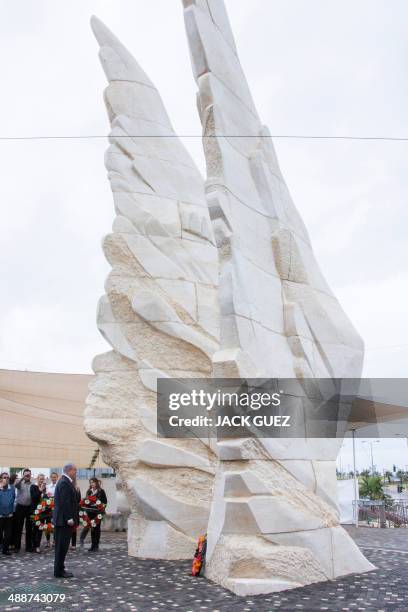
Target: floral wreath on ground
[(92, 511), (42, 517), (199, 556)]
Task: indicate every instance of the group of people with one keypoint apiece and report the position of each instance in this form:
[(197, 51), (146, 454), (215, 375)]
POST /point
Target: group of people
[(19, 497)]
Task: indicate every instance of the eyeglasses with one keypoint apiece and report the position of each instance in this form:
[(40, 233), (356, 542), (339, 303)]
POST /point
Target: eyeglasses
[(6, 477)]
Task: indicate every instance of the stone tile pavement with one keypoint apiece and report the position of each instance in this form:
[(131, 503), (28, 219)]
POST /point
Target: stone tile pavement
[(110, 581)]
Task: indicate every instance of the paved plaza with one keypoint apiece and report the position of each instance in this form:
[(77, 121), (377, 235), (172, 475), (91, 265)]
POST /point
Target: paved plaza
[(111, 581)]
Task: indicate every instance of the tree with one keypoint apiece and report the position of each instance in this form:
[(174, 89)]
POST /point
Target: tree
[(388, 476), (371, 487), (402, 475)]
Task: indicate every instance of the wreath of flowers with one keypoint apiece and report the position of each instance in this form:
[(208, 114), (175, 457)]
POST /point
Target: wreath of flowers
[(92, 511), (42, 516), (199, 556)]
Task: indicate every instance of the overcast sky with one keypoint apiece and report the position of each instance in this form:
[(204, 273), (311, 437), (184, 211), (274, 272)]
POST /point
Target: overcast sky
[(315, 67)]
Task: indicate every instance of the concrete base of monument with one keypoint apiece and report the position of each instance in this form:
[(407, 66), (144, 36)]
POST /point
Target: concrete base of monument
[(252, 565), (157, 540), (245, 587)]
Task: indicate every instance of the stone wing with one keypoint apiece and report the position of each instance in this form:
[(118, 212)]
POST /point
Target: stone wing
[(279, 318), (159, 313), (160, 307), (274, 522)]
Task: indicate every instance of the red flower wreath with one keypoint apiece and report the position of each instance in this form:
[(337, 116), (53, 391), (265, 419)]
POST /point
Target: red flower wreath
[(199, 556), (92, 511), (42, 517)]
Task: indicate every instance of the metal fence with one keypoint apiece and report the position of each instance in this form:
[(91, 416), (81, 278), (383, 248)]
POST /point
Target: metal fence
[(377, 513)]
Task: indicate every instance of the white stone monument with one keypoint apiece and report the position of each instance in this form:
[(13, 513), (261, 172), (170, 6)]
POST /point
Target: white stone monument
[(214, 278)]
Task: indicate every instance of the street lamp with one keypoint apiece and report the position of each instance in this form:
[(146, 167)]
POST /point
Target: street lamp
[(406, 439), (356, 492), (371, 442)]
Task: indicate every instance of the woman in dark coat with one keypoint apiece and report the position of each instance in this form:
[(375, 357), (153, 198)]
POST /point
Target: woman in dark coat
[(37, 492), (96, 490)]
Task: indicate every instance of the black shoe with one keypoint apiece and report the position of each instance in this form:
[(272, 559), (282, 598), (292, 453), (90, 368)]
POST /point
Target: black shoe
[(64, 575), (93, 549)]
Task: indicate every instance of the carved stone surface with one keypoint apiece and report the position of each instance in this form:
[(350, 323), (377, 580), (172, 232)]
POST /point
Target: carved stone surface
[(214, 278), (160, 312)]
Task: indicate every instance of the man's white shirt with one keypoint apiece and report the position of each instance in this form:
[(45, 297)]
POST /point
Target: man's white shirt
[(51, 489)]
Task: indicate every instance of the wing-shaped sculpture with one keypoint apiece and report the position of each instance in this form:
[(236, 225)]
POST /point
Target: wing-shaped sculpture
[(159, 313), (277, 309), (216, 281), (279, 319)]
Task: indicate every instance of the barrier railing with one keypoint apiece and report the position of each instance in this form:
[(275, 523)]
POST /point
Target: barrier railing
[(378, 513)]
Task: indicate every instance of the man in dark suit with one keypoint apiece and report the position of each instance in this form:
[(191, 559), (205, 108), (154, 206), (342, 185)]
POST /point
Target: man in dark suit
[(64, 517)]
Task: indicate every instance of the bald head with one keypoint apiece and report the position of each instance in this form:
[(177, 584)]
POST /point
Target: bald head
[(70, 470)]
